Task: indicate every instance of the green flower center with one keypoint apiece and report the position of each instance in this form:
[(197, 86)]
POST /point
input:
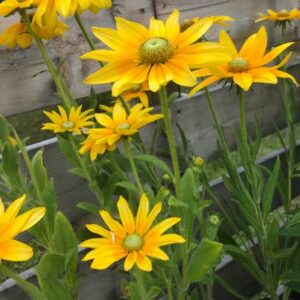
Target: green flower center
[(123, 126), (133, 242), (68, 125), (156, 50), (283, 13), (238, 65)]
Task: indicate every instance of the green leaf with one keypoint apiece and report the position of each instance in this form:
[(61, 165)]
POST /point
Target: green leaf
[(68, 151), (172, 98), (88, 207), (268, 193), (292, 280), (205, 257), (52, 264), (110, 187), (64, 236), (4, 129), (39, 170), (175, 202), (189, 188), (295, 220), (291, 231), (128, 186), (155, 162)]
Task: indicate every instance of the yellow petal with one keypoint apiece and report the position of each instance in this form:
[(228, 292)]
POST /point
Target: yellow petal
[(113, 225), (161, 227), (168, 239), (172, 25), (142, 213), (119, 114), (157, 28), (206, 82), (154, 251), (151, 217), (143, 262), (244, 80), (130, 260), (126, 215), (182, 75), (99, 230), (13, 250), (226, 41)]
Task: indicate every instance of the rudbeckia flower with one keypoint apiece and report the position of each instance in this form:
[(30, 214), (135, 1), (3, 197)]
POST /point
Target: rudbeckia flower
[(90, 145), (11, 225), (247, 66), (73, 122), (281, 16), (156, 55), (135, 239), (16, 34), (121, 124)]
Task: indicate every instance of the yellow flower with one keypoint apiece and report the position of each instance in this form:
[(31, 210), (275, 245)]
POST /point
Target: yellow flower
[(8, 6), (156, 55), (280, 16), (121, 124), (16, 34), (11, 225), (219, 20), (95, 149), (247, 66), (133, 238), (73, 122), (136, 91)]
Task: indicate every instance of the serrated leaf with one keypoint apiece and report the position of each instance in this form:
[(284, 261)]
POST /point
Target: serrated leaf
[(205, 257)]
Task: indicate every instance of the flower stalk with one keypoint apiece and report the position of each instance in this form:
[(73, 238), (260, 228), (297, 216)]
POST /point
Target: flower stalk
[(171, 139)]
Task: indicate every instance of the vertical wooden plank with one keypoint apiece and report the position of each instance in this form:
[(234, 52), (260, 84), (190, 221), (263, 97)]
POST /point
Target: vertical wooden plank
[(24, 80), (135, 10)]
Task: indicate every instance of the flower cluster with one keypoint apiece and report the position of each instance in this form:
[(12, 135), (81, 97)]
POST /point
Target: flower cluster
[(43, 16), (120, 124), (133, 238)]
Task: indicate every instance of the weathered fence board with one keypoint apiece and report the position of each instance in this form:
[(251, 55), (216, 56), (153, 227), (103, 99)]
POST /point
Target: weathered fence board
[(25, 84)]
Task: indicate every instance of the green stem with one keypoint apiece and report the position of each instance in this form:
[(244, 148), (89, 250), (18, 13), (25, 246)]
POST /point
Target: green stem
[(84, 31), (28, 287), (133, 166), (171, 139), (67, 99), (87, 172)]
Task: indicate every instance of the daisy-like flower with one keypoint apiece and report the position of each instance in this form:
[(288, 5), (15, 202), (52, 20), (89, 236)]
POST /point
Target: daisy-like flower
[(218, 20), (121, 124), (247, 66), (90, 145), (280, 17), (16, 34), (73, 122), (133, 238), (11, 225), (156, 55), (136, 91)]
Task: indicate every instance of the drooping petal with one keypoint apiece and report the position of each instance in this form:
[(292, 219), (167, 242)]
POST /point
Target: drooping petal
[(143, 262), (161, 227), (244, 80), (154, 251), (130, 260)]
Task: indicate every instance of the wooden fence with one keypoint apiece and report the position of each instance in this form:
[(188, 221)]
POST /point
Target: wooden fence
[(25, 85)]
